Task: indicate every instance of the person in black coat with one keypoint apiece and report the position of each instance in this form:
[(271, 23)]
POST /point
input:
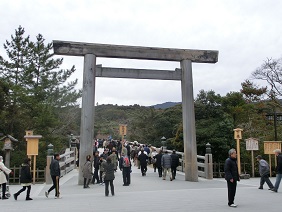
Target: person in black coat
[(174, 163), (231, 176), (109, 169), (158, 158), (55, 172), (143, 162), (25, 179), (96, 165)]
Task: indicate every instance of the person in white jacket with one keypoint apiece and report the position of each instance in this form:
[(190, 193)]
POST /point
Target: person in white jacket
[(3, 179)]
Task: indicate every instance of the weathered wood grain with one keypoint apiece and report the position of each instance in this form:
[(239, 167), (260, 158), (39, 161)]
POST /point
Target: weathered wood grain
[(134, 52)]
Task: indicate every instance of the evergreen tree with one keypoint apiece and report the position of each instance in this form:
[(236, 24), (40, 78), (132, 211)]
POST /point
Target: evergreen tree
[(40, 95)]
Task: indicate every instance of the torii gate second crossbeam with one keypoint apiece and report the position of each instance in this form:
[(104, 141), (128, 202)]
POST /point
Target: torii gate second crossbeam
[(185, 56)]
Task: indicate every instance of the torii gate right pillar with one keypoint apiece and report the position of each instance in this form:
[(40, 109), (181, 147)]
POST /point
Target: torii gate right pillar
[(188, 113)]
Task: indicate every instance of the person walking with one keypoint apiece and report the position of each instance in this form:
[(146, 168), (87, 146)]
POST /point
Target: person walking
[(143, 162), (3, 179), (125, 167), (166, 164), (87, 172), (153, 159), (96, 168), (101, 168), (109, 170), (278, 154), (158, 158), (231, 176), (55, 172), (25, 180), (264, 172), (174, 163)]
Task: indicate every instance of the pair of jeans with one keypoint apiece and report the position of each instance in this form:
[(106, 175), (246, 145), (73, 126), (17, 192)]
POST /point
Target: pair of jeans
[(55, 185), (231, 191), (3, 185), (96, 176), (165, 171), (277, 182), (126, 175), (111, 182), (265, 179), (143, 169), (173, 171), (160, 171), (23, 189)]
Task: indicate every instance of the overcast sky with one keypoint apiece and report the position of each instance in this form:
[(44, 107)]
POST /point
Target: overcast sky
[(244, 32)]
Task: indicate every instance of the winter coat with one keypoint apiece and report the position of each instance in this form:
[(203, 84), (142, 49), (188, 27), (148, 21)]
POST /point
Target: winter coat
[(87, 170), (25, 174), (96, 162), (3, 170), (55, 168), (114, 159), (231, 169), (109, 170), (143, 159), (279, 164), (100, 165), (263, 168), (174, 160), (166, 161), (158, 158)]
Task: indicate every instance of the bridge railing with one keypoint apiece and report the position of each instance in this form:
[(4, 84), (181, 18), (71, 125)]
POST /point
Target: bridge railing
[(205, 163), (67, 163)]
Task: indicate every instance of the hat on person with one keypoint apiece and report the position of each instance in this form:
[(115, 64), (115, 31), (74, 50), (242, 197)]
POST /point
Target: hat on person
[(259, 157)]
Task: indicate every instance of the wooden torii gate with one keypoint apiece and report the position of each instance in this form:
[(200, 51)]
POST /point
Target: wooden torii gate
[(90, 51)]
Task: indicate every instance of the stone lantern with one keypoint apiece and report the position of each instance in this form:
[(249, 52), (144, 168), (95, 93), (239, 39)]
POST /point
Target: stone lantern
[(8, 147)]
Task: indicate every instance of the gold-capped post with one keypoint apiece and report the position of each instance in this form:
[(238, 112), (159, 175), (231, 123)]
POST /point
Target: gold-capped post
[(237, 137)]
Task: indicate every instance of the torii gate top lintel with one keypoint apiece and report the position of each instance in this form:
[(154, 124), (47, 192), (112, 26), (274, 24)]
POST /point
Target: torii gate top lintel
[(133, 52)]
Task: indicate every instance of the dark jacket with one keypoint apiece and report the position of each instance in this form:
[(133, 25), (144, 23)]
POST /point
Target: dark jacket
[(143, 159), (166, 161), (279, 164), (158, 158), (25, 174), (96, 162), (55, 168), (109, 168), (231, 169), (174, 160)]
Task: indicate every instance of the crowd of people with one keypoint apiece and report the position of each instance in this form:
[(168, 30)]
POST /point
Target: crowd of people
[(101, 168), (122, 156)]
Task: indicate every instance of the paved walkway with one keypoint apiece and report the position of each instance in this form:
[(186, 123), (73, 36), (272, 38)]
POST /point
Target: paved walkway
[(149, 193)]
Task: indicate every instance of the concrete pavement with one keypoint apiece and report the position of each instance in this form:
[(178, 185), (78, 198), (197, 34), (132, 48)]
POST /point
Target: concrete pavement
[(149, 193)]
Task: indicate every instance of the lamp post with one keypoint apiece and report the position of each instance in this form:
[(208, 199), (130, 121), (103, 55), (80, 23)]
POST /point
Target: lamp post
[(72, 142), (163, 140), (238, 136)]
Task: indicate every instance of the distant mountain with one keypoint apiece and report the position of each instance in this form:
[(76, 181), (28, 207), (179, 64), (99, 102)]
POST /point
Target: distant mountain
[(165, 105)]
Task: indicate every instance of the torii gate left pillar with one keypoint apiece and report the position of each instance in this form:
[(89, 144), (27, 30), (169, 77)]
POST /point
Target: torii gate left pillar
[(184, 56)]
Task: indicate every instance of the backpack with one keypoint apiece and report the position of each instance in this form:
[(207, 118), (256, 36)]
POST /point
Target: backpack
[(126, 162)]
